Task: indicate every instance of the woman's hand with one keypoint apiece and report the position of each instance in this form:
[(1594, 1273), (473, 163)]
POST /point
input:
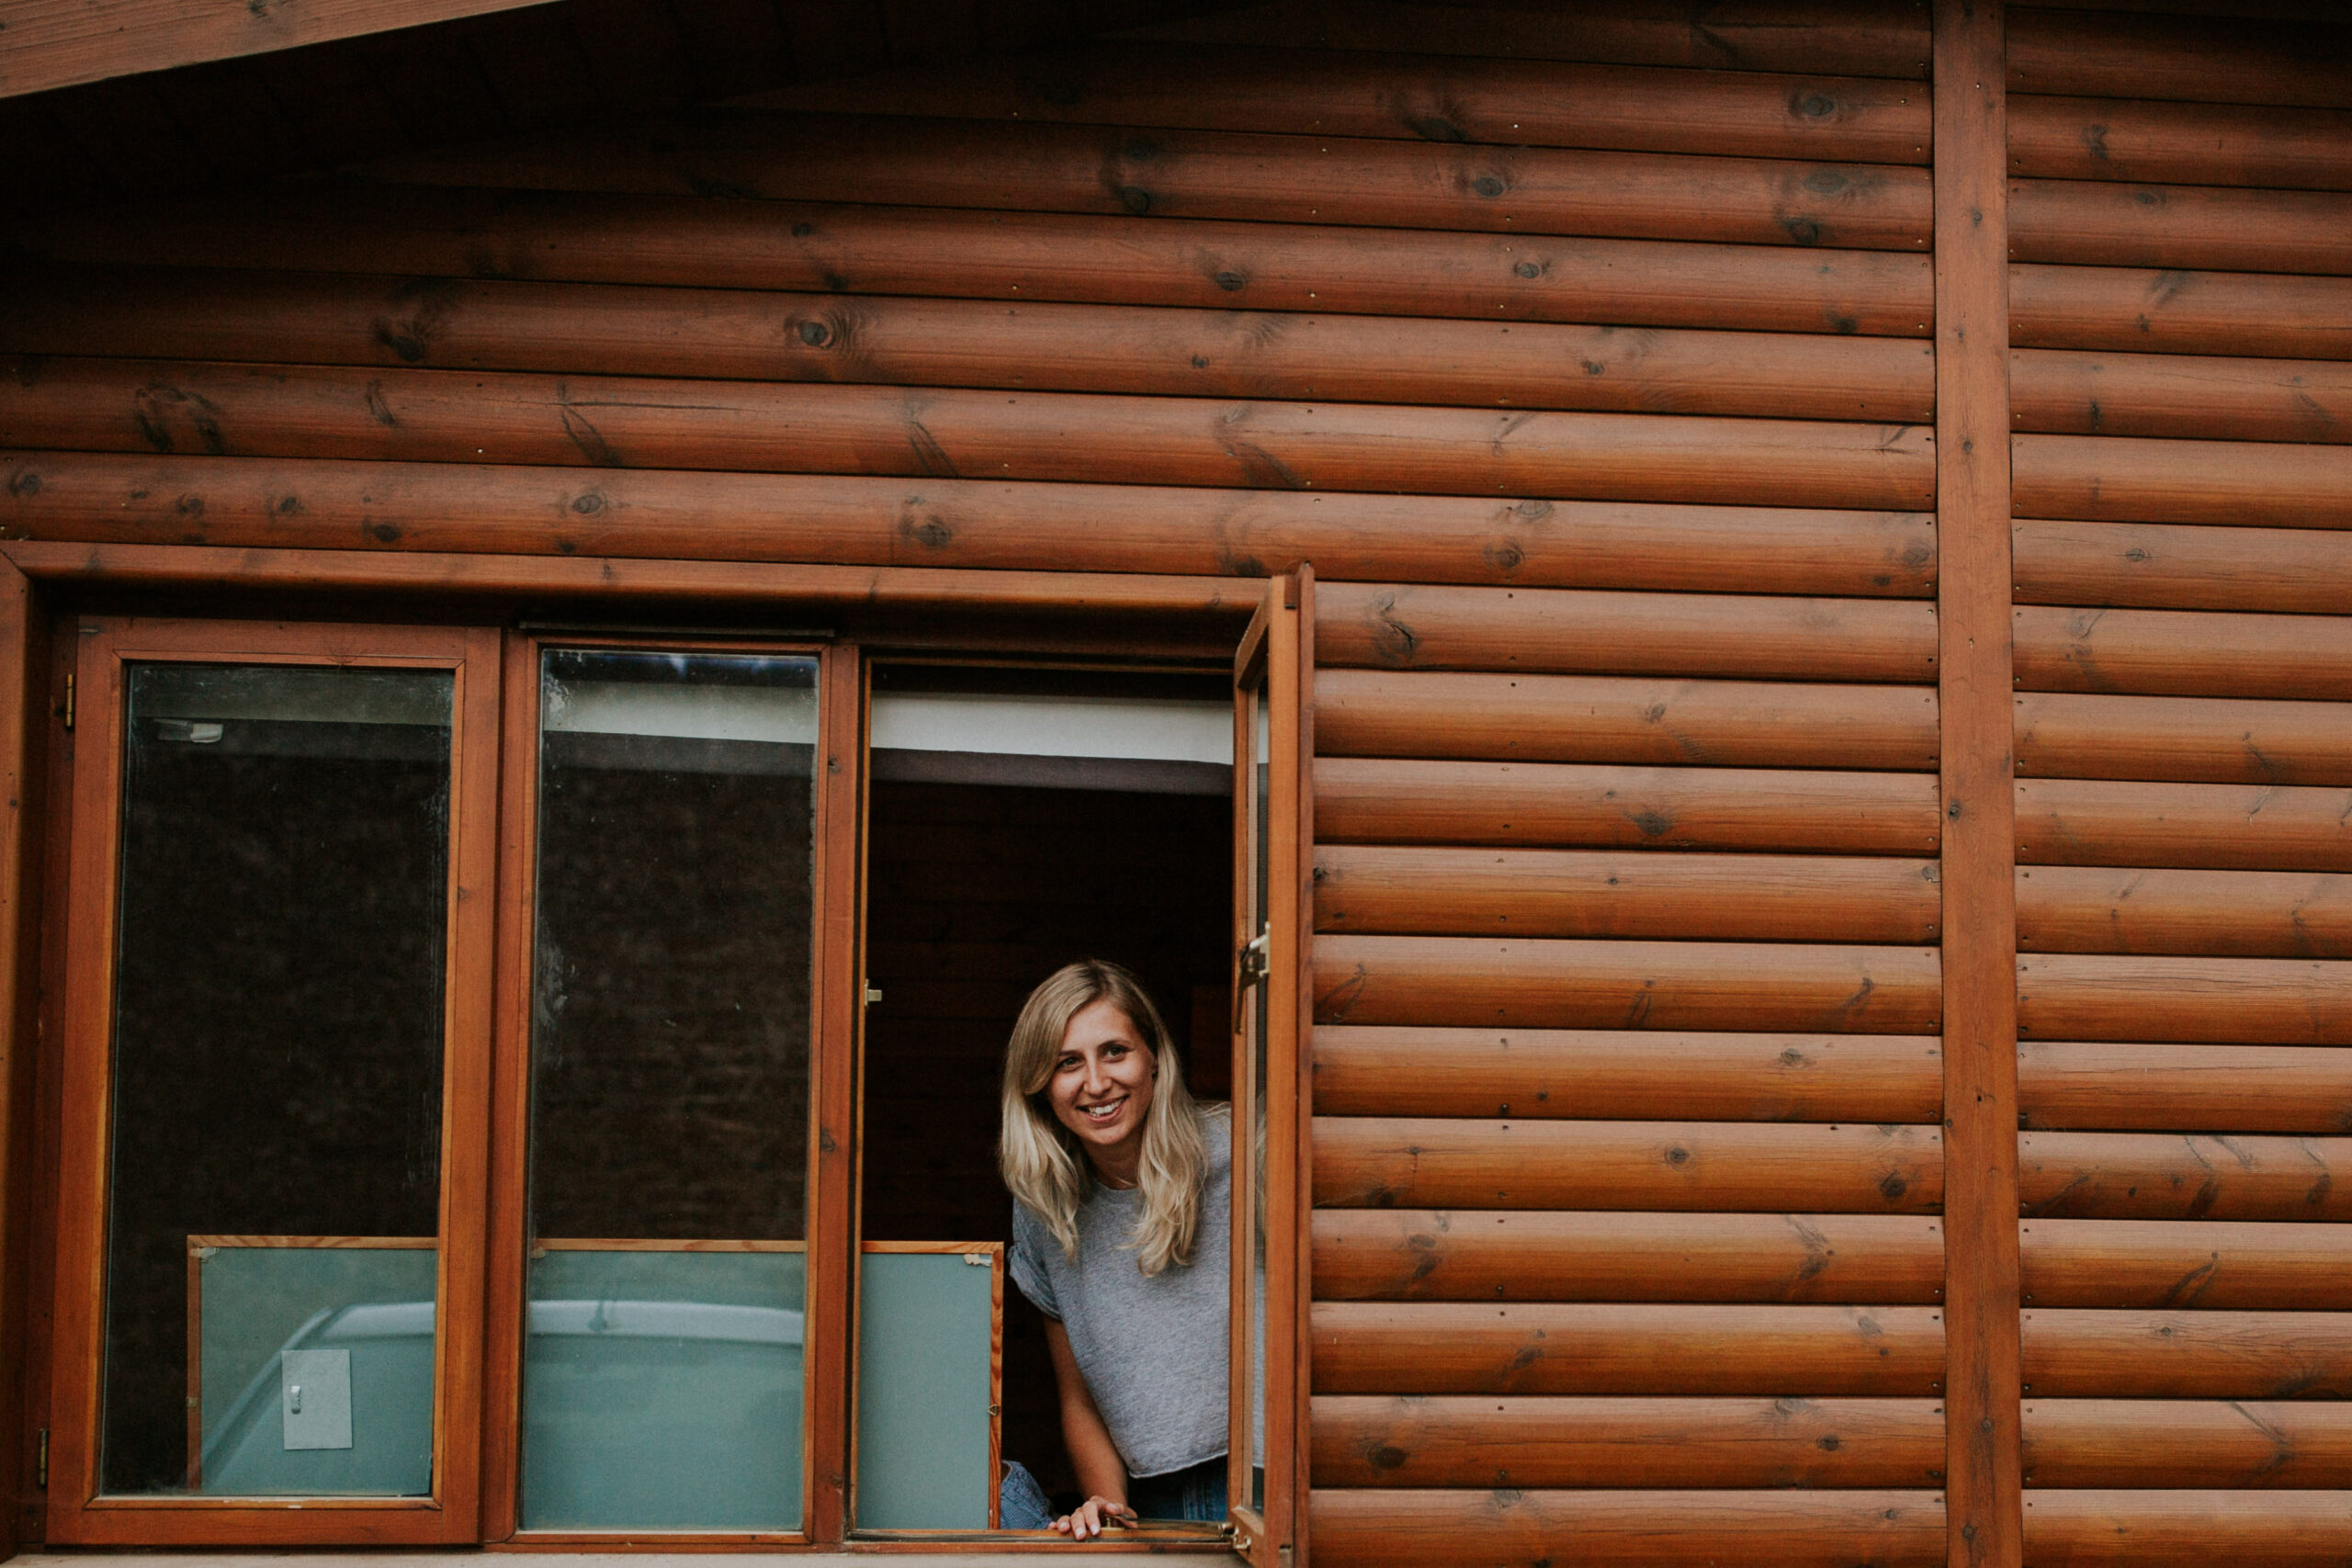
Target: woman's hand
[(1093, 1517)]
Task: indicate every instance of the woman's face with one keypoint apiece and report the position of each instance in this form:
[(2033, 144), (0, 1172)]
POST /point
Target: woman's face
[(1102, 1083)]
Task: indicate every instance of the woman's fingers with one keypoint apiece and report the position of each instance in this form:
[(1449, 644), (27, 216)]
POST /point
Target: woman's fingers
[(1093, 1517)]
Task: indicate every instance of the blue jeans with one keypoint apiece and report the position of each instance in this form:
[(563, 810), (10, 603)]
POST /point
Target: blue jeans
[(1020, 1503), (1196, 1492)]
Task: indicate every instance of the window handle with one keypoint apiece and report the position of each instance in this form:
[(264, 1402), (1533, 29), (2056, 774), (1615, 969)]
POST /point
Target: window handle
[(1255, 963)]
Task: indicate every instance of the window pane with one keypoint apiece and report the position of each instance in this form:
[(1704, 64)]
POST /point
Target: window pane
[(670, 1098), (277, 1081), (1262, 806)]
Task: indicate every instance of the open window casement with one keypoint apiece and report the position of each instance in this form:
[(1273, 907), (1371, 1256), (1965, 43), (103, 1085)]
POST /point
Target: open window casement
[(1273, 800)]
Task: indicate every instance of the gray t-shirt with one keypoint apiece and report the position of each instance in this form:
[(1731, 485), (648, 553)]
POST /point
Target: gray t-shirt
[(1152, 1347)]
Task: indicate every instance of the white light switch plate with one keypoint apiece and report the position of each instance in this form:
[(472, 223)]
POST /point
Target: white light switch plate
[(314, 1397)]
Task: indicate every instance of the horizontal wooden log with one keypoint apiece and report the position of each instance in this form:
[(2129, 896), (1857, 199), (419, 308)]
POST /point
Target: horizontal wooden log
[(2235, 484), (2072, 1354), (2180, 143), (1599, 807), (1520, 103), (559, 236), (2211, 1264), (2183, 654), (438, 324), (2256, 1001), (2235, 914), (1390, 890), (1654, 1075), (1635, 1348), (2158, 1528), (2183, 1089), (2110, 223), (2226, 826), (2176, 311), (849, 519), (2183, 1443), (1217, 606), (2162, 567), (1439, 1255), (1689, 1167), (1459, 1440), (634, 422), (2225, 60), (1219, 175), (2273, 10), (57, 46), (2206, 396), (2186, 739), (1872, 38), (2154, 1176), (1571, 718), (1406, 627), (1649, 1528), (1626, 984)]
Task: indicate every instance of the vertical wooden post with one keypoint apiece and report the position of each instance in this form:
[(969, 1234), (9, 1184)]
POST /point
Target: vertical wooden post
[(834, 1007), (1982, 1381), (24, 670)]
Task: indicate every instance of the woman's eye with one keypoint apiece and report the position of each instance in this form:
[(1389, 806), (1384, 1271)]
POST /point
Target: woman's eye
[(1065, 1064), (1114, 1050)]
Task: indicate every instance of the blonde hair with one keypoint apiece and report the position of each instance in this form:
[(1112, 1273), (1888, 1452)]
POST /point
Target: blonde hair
[(1041, 1159)]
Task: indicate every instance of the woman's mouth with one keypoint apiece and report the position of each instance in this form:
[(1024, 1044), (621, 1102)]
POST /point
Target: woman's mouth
[(1104, 1113)]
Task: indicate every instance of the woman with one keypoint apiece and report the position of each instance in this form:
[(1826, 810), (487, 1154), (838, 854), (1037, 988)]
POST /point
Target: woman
[(1122, 1187)]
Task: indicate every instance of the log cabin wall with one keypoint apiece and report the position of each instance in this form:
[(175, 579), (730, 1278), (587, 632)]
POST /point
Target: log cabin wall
[(1588, 355), (2184, 745)]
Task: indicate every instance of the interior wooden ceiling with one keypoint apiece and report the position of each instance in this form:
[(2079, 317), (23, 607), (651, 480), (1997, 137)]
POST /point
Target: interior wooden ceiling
[(237, 122)]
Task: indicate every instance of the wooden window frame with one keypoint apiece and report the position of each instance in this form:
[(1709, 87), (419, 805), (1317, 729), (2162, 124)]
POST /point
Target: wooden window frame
[(1278, 609), (78, 1513), (1277, 654), (824, 1344), (993, 617)]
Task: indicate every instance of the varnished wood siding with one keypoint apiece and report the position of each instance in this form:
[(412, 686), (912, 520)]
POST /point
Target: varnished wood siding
[(2181, 1283), (1585, 353)]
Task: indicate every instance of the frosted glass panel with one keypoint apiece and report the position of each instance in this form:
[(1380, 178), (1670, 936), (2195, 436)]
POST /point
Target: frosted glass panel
[(663, 1391), (926, 1390), (359, 1321)]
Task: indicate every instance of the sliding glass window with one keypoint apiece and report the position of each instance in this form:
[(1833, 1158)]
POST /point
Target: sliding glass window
[(666, 1273)]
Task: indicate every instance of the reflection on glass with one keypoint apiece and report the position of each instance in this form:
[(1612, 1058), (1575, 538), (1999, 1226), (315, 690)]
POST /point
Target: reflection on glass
[(274, 1180), (662, 1385), (664, 1389)]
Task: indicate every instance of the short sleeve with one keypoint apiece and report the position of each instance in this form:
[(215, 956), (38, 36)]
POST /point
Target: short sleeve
[(1030, 1238)]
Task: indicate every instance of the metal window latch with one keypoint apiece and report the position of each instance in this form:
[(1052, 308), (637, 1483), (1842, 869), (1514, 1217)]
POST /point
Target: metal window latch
[(1254, 964), (872, 994), (1253, 958)]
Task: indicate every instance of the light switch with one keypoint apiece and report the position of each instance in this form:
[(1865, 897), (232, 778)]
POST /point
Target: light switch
[(314, 1397)]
